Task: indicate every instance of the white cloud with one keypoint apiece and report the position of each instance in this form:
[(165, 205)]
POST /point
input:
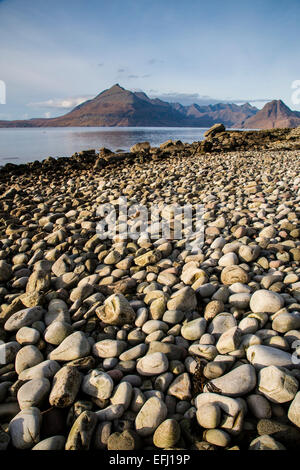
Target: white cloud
[(58, 103)]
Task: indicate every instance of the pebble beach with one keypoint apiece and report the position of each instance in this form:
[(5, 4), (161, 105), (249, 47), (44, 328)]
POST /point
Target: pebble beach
[(144, 344)]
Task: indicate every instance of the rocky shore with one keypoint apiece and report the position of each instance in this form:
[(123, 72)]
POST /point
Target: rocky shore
[(144, 344)]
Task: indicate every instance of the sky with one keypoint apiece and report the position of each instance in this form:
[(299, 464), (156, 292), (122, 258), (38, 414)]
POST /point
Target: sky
[(54, 55)]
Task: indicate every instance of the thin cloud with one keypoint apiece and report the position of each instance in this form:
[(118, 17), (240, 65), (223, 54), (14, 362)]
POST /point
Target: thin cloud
[(155, 61), (66, 103), (121, 70), (101, 64), (196, 98)]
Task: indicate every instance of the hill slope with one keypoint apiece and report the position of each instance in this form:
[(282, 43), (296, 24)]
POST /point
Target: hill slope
[(273, 114)]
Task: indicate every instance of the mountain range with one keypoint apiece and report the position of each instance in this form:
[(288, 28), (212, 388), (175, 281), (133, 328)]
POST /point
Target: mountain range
[(119, 107)]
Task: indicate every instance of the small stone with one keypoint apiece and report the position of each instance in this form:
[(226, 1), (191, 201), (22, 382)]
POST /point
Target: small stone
[(116, 311), (27, 357), (51, 443), (240, 301), (181, 387), (73, 347), (233, 274), (110, 413), (212, 309), (24, 428), (153, 364), (266, 301), (98, 384), (220, 324), (151, 257), (39, 281), (109, 348), (262, 356), (26, 336), (184, 300), (229, 340), (122, 395), (65, 387), (240, 381), (229, 259), (33, 393), (232, 407), (249, 253), (217, 437), (286, 321), (259, 406), (24, 317), (277, 385), (151, 415), (294, 410), (209, 416), (8, 352), (81, 432), (57, 311), (5, 271), (46, 369), (167, 434), (57, 331), (266, 443), (127, 440), (194, 329)]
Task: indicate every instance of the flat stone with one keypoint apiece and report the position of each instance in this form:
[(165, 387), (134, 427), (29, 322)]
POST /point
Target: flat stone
[(240, 381), (46, 369), (262, 356), (109, 348), (24, 317), (73, 347), (266, 443)]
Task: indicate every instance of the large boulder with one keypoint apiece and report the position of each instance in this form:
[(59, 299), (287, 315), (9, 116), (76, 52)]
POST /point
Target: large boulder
[(214, 130)]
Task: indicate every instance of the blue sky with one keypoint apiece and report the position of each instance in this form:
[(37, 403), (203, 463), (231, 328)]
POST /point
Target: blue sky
[(55, 54)]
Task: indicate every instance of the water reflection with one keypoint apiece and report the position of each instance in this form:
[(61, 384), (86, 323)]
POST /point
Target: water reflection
[(27, 145)]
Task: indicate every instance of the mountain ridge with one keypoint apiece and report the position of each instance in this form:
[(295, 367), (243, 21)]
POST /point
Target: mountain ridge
[(118, 107)]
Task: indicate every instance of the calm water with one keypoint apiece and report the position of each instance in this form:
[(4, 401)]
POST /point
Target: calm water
[(26, 145)]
